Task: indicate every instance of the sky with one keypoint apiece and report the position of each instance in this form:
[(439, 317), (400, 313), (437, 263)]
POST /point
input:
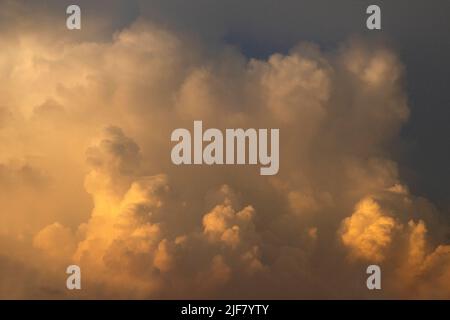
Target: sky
[(85, 170)]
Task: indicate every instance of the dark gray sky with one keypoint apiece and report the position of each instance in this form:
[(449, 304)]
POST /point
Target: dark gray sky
[(416, 29)]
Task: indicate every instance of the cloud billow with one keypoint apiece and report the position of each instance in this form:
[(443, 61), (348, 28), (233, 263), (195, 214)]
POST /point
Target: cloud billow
[(96, 121)]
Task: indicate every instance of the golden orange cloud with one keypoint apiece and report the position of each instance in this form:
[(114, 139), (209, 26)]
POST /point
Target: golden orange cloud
[(86, 176)]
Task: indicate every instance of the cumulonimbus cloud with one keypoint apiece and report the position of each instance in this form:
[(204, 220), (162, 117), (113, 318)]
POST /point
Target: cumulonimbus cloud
[(94, 119)]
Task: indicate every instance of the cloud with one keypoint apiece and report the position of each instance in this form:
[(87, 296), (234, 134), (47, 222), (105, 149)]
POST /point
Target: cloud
[(126, 241), (96, 115), (373, 235), (55, 240), (368, 232), (224, 224)]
